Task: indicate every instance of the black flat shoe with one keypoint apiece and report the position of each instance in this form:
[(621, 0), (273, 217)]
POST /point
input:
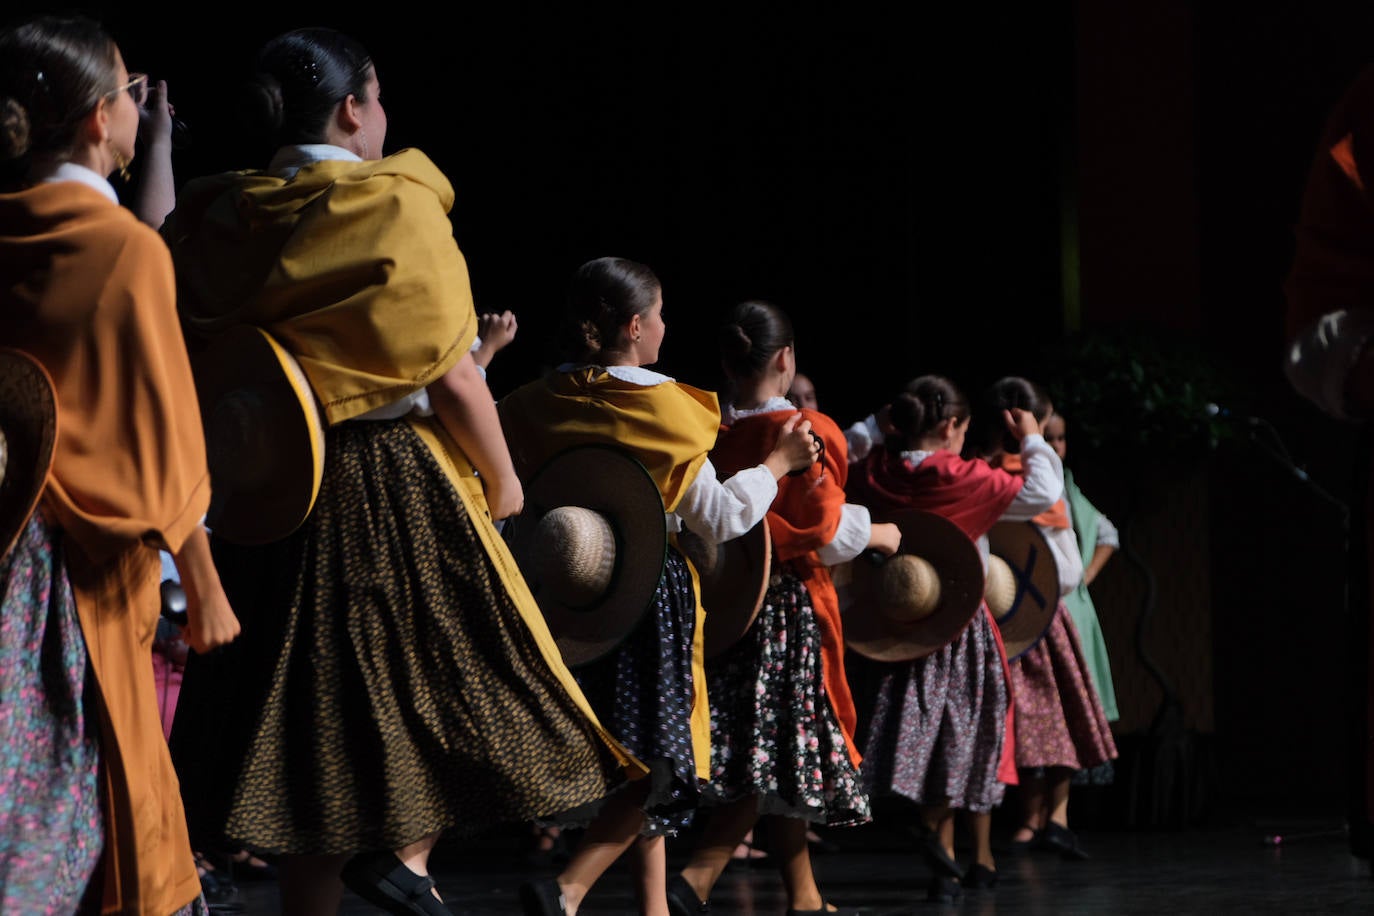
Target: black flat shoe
[(542, 898), (384, 881), (682, 900), (1021, 847), (939, 859), (979, 877), (1062, 840), (943, 889)]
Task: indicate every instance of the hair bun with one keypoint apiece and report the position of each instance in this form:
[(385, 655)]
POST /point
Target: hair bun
[(734, 342)]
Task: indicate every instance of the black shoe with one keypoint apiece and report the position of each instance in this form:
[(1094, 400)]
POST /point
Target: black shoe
[(384, 881), (682, 900), (542, 898), (939, 859), (943, 889), (1062, 840), (823, 911), (1021, 847), (979, 877)]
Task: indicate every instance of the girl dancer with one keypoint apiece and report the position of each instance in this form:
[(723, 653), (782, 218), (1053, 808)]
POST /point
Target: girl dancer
[(397, 680), (790, 752), (650, 690), (938, 726)]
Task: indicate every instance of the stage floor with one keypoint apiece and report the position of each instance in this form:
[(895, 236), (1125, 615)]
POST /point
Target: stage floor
[(1203, 870)]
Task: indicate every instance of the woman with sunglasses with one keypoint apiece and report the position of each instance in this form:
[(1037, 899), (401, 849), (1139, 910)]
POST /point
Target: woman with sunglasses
[(87, 291)]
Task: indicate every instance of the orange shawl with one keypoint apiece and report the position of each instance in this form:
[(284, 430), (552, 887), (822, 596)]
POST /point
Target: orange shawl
[(88, 290), (803, 518)]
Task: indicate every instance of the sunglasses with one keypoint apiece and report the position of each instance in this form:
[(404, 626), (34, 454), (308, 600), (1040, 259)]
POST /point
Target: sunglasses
[(137, 87)]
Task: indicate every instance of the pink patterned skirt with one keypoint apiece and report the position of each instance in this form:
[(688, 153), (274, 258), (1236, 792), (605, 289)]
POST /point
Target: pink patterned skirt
[(1059, 719)]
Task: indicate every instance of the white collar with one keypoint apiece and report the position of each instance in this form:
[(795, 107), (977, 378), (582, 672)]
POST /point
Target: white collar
[(914, 457), (772, 405), (291, 159), (71, 171), (635, 375)]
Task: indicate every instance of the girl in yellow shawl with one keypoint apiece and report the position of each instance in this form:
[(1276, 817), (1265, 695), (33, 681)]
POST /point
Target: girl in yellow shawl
[(651, 690), (395, 678)]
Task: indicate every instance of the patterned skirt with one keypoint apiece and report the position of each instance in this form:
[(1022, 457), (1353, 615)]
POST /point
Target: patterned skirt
[(773, 731), (51, 827), (1059, 719), (384, 687), (937, 724), (642, 692)]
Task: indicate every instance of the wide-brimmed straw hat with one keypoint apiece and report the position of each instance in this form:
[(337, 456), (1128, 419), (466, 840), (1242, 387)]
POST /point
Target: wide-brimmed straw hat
[(28, 433), (264, 436), (1022, 584), (918, 600), (734, 581), (590, 543)]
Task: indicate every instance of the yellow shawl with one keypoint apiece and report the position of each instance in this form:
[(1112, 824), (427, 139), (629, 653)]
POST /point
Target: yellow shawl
[(351, 265), (668, 427)]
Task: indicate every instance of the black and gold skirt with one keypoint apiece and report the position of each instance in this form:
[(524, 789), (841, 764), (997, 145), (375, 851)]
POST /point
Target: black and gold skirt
[(384, 687)]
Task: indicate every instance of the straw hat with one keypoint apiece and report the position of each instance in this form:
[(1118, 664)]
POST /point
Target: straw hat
[(28, 432), (918, 600), (734, 581), (1022, 584), (591, 543), (264, 436)]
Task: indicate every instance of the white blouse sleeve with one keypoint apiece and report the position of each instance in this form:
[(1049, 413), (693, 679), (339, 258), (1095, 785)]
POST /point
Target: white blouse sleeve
[(1044, 484), (717, 511), (861, 436), (1319, 359), (1107, 535), (851, 537)]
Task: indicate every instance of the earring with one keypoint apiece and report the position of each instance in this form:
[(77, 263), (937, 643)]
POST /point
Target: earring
[(121, 163), (636, 337)]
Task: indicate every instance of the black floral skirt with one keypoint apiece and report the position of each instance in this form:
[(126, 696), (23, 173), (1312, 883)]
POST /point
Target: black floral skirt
[(773, 731), (642, 692), (384, 687)]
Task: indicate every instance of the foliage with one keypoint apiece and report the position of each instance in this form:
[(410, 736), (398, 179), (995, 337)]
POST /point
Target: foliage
[(1139, 397)]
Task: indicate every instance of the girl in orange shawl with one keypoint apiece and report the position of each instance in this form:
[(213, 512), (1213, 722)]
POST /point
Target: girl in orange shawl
[(87, 291), (782, 720)]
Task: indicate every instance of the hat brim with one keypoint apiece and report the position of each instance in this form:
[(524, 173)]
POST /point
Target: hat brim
[(609, 481), (1026, 551), (734, 586), (871, 632), (264, 436), (28, 419)]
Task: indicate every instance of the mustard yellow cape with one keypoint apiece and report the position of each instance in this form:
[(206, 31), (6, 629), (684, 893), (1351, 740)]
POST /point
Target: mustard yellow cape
[(669, 428), (353, 268)]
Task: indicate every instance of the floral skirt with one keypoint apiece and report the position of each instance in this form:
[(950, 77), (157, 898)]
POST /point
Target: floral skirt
[(773, 731), (1059, 718), (51, 827), (385, 686), (643, 692), (935, 726)]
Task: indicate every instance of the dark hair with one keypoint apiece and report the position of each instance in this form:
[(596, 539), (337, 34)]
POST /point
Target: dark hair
[(602, 298), (301, 76), (752, 334), (53, 71), (1004, 394), (925, 403)]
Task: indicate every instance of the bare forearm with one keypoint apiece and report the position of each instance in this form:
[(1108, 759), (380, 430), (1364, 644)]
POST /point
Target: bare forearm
[(464, 405), (1100, 557)]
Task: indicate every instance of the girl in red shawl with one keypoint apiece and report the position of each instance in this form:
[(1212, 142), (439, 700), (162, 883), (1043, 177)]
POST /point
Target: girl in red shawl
[(782, 720), (937, 732), (1060, 724)]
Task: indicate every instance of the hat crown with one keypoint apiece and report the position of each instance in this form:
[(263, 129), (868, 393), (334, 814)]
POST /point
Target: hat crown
[(1000, 590), (574, 553), (909, 587)]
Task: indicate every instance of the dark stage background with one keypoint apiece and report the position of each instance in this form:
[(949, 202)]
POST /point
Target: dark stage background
[(951, 190)]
